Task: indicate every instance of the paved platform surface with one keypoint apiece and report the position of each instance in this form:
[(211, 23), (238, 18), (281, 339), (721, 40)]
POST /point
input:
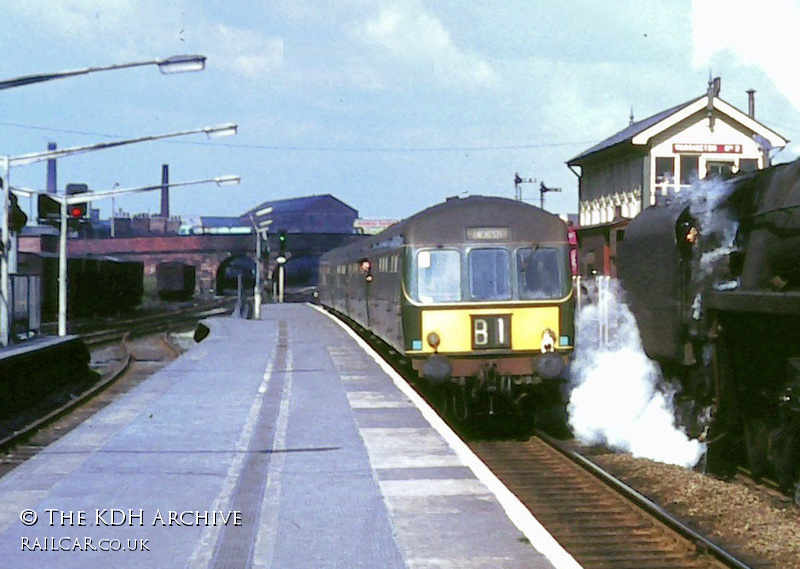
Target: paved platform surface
[(278, 443)]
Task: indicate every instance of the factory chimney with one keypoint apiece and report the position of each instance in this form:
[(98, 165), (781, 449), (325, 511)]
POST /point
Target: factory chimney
[(751, 103), (51, 170), (165, 190)]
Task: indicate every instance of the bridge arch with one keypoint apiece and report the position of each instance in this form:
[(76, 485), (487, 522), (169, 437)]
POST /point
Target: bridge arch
[(228, 272)]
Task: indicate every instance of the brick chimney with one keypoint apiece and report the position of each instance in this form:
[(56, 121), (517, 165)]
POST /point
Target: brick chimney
[(164, 190)]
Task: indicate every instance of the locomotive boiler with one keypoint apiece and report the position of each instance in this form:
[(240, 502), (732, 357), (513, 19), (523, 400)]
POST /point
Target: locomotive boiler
[(714, 283)]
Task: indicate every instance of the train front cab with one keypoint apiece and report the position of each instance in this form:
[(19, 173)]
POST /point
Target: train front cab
[(491, 324)]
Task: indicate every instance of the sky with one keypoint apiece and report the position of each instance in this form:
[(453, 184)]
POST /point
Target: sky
[(391, 106)]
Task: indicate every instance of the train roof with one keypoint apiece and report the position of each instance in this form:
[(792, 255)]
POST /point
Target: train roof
[(447, 223)]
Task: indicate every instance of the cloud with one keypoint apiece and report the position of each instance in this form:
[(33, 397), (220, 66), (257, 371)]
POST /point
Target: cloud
[(83, 22), (123, 29), (767, 36), (246, 53), (414, 42)]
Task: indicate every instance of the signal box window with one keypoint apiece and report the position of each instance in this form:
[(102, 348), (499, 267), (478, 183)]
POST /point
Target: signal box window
[(690, 165), (665, 178), (489, 274), (540, 274), (438, 276), (717, 169), (748, 164)]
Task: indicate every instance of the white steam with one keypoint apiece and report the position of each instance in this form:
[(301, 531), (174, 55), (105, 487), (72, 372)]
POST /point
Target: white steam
[(618, 395), (718, 226)]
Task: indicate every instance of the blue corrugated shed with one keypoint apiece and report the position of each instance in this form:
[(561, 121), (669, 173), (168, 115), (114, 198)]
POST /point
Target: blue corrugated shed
[(300, 204), (308, 214)]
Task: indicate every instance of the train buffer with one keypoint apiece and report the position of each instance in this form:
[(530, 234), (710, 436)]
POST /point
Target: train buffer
[(275, 443)]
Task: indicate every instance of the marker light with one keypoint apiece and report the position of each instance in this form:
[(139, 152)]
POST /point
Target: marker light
[(548, 341), (433, 340)]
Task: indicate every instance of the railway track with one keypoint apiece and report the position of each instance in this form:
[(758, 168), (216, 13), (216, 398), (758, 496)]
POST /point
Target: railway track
[(599, 520), (98, 332), (82, 399)]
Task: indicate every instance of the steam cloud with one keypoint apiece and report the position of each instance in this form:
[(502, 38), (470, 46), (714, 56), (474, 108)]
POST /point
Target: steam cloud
[(707, 205), (618, 396)]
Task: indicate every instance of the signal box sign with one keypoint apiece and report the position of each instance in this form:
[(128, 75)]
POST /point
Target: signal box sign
[(707, 148)]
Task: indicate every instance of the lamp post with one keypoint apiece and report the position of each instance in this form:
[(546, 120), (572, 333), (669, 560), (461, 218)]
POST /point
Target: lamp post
[(168, 65), (68, 200), (6, 162), (261, 230)]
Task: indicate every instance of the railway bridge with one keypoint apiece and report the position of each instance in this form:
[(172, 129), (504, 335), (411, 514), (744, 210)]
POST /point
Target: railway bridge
[(210, 253)]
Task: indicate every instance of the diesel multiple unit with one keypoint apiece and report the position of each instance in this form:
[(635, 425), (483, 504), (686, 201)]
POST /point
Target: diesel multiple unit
[(476, 292)]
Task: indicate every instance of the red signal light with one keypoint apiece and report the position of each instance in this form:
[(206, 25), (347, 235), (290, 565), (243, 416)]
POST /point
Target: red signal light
[(76, 211)]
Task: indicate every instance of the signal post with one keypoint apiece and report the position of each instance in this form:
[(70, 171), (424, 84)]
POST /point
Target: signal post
[(281, 260)]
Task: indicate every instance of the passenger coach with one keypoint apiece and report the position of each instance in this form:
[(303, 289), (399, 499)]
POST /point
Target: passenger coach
[(476, 292)]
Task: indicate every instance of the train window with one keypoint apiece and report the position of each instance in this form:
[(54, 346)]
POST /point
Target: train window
[(489, 274), (438, 275), (540, 274)]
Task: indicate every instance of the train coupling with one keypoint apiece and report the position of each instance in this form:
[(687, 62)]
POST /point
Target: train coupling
[(437, 369), (549, 365)]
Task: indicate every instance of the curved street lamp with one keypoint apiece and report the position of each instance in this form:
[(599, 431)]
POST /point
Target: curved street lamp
[(67, 200), (5, 165), (168, 65)]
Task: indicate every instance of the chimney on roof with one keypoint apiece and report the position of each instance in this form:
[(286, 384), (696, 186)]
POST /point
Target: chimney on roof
[(751, 103)]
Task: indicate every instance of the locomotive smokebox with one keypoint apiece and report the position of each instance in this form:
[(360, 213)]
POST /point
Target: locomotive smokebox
[(652, 269)]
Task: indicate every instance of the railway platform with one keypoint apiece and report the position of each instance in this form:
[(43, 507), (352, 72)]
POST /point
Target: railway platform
[(37, 366), (278, 443)]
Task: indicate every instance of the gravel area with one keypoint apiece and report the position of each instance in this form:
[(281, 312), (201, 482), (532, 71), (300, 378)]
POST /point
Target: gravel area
[(755, 523)]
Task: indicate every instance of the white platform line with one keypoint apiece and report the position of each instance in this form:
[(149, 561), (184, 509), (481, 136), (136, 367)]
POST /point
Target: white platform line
[(264, 548), (204, 549), (519, 515)]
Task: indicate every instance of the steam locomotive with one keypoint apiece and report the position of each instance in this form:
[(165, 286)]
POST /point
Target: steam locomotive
[(476, 292), (714, 283)]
